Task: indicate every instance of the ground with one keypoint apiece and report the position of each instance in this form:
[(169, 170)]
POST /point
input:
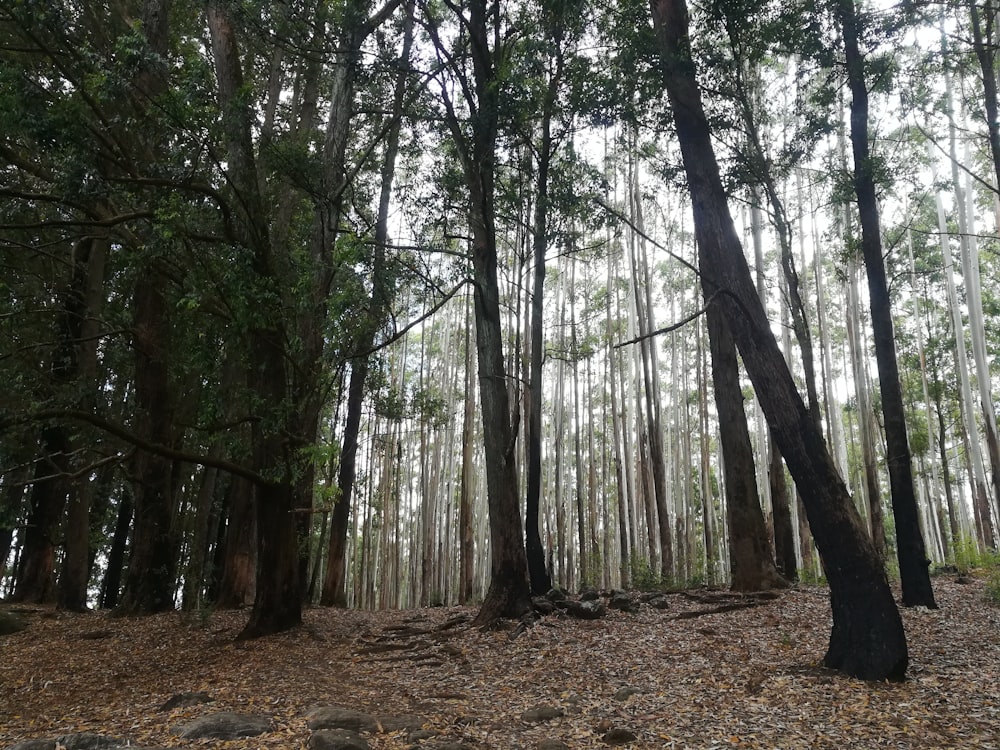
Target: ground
[(745, 678)]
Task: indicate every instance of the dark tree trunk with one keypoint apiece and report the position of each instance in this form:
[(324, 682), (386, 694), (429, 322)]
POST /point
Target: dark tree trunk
[(781, 505), (238, 562), (334, 581), (867, 639), (751, 564), (465, 539), (112, 583), (88, 293), (913, 561), (151, 574), (538, 574), (985, 46), (47, 500), (509, 594)]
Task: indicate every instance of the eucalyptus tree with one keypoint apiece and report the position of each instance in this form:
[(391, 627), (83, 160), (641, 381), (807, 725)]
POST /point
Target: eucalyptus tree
[(867, 639), (913, 561), (475, 59)]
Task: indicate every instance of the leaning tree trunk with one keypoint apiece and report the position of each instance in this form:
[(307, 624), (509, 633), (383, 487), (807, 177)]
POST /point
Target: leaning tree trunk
[(913, 562), (867, 639)]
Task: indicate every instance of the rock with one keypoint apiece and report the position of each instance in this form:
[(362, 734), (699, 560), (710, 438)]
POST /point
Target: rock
[(543, 606), (659, 602), (589, 594), (591, 609), (618, 736), (337, 739), (552, 745), (11, 623), (185, 700), (623, 694), (541, 713), (224, 725), (81, 741), (420, 734), (621, 601), (338, 717)]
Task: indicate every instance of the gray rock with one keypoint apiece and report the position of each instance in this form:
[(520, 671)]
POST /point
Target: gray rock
[(81, 741), (224, 725), (589, 594), (543, 606), (337, 739), (658, 602), (420, 734), (552, 745), (338, 717), (541, 713), (555, 595), (184, 700)]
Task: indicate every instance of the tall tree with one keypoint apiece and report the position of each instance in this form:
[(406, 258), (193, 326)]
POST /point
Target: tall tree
[(867, 639), (913, 561), (476, 141)]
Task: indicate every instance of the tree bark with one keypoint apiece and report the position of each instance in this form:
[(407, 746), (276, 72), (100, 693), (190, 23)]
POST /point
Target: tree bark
[(867, 639), (913, 562), (751, 564)]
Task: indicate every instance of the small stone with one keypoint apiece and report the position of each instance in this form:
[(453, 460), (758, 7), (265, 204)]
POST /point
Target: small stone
[(337, 717), (11, 624), (541, 713), (589, 594), (552, 745), (89, 741), (185, 700), (555, 595), (623, 694), (618, 736), (337, 739), (417, 735)]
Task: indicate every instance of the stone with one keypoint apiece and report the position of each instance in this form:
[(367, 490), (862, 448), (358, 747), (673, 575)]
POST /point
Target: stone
[(337, 739), (185, 700), (555, 595), (552, 745), (10, 623), (542, 605), (659, 602), (591, 609), (618, 736), (623, 694), (541, 713), (225, 725), (81, 741), (589, 594), (418, 735), (621, 601), (339, 717)]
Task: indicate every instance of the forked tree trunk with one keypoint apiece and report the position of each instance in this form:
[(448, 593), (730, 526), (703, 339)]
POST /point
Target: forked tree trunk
[(867, 640)]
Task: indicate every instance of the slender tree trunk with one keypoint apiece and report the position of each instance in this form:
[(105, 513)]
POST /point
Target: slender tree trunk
[(751, 565), (867, 640), (913, 561), (115, 567)]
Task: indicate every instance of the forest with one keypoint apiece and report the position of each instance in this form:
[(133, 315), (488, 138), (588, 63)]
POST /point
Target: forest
[(411, 303)]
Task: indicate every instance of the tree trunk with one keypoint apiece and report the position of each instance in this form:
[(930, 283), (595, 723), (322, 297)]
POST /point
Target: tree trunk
[(151, 575), (913, 562), (867, 640), (751, 565)]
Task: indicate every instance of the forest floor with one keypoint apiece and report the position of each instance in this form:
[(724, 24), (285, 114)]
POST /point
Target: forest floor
[(747, 678)]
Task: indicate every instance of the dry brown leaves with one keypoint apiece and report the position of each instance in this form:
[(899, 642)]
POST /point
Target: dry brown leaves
[(745, 679)]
